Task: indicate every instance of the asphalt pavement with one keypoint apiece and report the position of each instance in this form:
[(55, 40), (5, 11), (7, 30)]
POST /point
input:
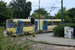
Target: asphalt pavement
[(50, 39)]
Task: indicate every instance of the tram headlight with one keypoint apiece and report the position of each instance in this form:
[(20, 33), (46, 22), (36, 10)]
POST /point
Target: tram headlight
[(7, 33), (11, 32)]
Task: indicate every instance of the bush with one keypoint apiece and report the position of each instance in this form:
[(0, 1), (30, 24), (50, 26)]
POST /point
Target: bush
[(59, 30)]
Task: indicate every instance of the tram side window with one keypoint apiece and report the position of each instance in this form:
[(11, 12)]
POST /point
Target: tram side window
[(26, 24), (56, 22), (10, 24), (49, 23), (35, 23)]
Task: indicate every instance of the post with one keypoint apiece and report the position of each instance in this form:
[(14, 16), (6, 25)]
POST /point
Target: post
[(62, 11), (52, 22), (34, 34), (34, 31), (39, 15)]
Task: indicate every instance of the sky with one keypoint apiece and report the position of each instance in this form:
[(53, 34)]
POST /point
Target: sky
[(47, 4)]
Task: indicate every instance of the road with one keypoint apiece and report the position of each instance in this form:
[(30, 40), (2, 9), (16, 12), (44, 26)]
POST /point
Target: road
[(40, 46), (51, 47)]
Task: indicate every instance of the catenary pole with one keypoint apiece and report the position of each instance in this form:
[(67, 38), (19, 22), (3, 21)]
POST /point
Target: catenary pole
[(62, 11)]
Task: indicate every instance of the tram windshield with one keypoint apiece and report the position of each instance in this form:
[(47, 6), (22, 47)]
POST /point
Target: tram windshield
[(10, 24)]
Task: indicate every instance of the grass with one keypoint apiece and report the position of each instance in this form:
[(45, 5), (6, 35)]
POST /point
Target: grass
[(10, 43), (73, 38), (44, 42)]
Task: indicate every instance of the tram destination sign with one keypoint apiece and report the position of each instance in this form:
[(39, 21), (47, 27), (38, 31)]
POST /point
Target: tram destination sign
[(10, 20)]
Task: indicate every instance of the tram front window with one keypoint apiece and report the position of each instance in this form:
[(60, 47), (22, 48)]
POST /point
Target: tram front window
[(10, 24)]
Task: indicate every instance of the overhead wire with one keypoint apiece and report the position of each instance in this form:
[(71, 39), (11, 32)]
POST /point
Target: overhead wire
[(53, 7)]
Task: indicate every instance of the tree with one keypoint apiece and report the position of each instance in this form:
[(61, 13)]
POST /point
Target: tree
[(42, 12), (21, 8), (5, 12), (65, 15), (35, 15), (71, 14)]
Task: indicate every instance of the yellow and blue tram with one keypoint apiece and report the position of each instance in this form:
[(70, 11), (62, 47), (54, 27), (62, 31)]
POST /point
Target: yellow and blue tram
[(21, 26)]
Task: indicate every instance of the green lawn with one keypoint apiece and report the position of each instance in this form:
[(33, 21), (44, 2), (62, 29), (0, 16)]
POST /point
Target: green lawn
[(73, 38)]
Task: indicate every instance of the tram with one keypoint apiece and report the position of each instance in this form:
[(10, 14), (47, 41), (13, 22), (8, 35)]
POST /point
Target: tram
[(21, 26)]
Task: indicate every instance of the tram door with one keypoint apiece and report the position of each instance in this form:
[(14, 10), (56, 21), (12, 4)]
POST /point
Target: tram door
[(45, 25), (19, 27), (36, 26)]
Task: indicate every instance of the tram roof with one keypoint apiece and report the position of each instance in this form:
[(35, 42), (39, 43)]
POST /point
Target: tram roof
[(15, 20)]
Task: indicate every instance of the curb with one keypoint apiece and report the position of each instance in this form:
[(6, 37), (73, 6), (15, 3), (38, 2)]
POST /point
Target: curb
[(52, 43)]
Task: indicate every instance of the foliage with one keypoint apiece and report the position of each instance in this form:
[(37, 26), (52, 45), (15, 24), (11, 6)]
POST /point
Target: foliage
[(59, 30), (21, 8), (71, 14), (65, 15), (14, 43), (5, 12), (35, 15), (42, 12)]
